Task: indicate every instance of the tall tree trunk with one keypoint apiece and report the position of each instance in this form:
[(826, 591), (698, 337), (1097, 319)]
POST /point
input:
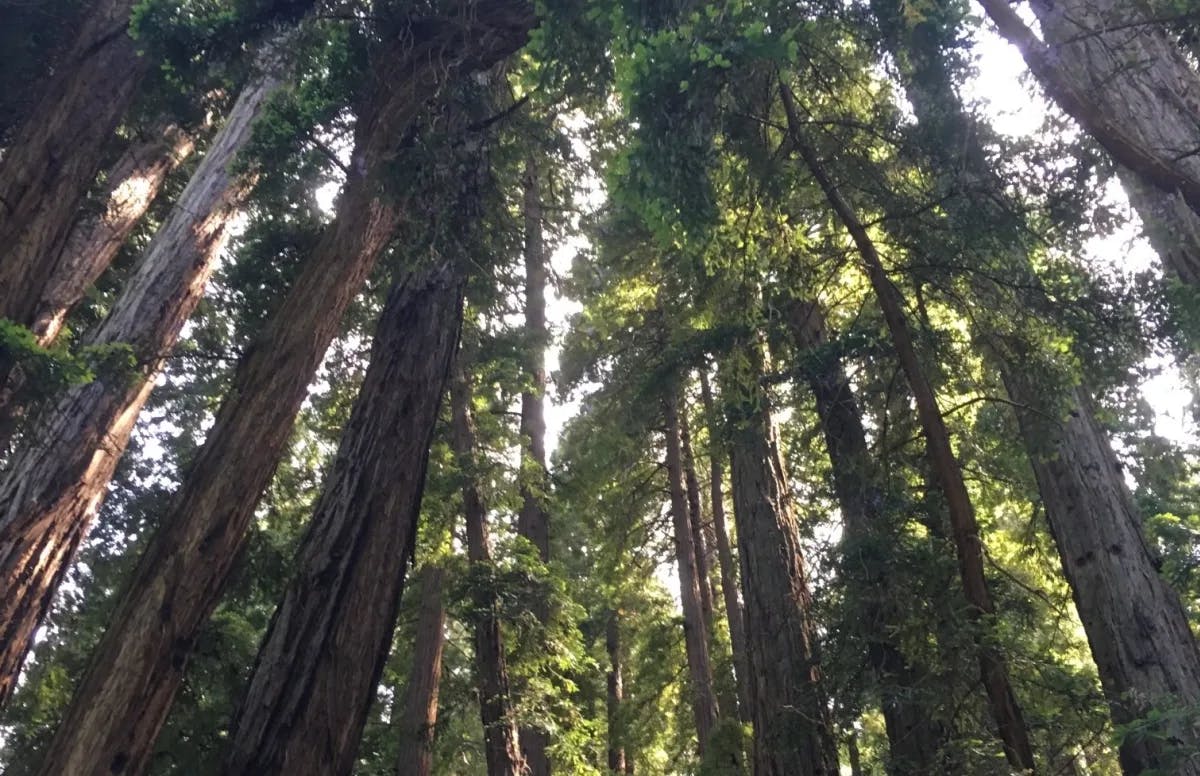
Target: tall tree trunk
[(616, 695), (1131, 87), (55, 155), (501, 742), (533, 521), (729, 578), (54, 484), (965, 529), (1135, 625), (793, 734), (704, 701), (913, 735), (116, 713), (418, 709), (704, 575), (134, 181), (316, 672)]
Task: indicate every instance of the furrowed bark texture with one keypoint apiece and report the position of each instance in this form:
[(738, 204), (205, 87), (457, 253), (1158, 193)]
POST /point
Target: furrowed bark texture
[(418, 709), (616, 694), (964, 528), (1131, 88), (533, 521), (704, 576), (913, 734), (94, 240), (704, 700), (502, 747), (793, 734), (117, 712), (317, 670), (729, 578), (1135, 624), (55, 155), (54, 485)]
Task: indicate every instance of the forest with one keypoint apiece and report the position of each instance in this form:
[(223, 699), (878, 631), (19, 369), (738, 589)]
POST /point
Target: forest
[(599, 387)]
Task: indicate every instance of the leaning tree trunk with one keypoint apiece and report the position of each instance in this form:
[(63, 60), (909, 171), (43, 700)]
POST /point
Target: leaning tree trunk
[(913, 735), (418, 708), (1136, 627), (94, 240), (533, 520), (704, 700), (616, 695), (729, 579), (120, 706), (965, 530), (502, 747), (55, 155), (793, 733), (317, 669), (1112, 69), (55, 483), (704, 575)]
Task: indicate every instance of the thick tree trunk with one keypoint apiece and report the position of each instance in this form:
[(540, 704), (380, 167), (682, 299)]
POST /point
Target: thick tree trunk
[(793, 734), (616, 695), (502, 747), (54, 485), (55, 155), (964, 528), (704, 700), (533, 521), (913, 736), (1136, 627), (418, 709), (1133, 90), (115, 715), (318, 667), (95, 239), (729, 577), (704, 575)]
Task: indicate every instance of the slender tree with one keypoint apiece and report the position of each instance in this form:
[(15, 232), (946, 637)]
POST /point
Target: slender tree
[(120, 706), (501, 743), (704, 576), (701, 690), (729, 579), (55, 483), (616, 694), (417, 710), (533, 520)]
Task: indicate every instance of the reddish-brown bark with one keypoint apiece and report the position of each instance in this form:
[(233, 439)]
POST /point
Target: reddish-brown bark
[(417, 709)]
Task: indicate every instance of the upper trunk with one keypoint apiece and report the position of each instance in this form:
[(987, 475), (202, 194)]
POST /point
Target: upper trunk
[(120, 706), (533, 521), (964, 528), (704, 701), (501, 743), (54, 485), (55, 155), (418, 708), (704, 575), (1128, 85), (913, 734), (793, 734), (317, 670), (134, 181)]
